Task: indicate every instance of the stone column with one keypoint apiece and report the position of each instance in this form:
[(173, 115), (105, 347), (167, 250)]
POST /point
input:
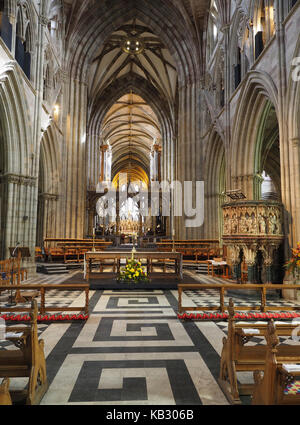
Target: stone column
[(287, 188), (189, 151), (91, 212), (103, 149), (234, 258), (250, 257), (158, 162), (268, 254), (295, 145), (32, 192), (140, 225), (227, 86), (118, 217), (75, 158)]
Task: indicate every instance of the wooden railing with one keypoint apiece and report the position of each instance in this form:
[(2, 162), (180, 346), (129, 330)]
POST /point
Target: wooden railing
[(71, 240), (225, 287), (43, 289)]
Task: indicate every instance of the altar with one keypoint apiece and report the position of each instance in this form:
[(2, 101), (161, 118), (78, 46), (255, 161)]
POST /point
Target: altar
[(115, 258)]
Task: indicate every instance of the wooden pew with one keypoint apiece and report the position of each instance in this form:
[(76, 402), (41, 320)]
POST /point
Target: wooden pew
[(28, 360), (197, 249), (56, 253), (270, 386), (5, 398), (238, 357)]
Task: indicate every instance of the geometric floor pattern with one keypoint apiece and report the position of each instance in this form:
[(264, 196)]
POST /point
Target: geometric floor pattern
[(133, 350)]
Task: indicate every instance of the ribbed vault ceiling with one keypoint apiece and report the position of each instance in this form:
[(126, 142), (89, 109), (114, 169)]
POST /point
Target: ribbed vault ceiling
[(153, 62), (131, 127), (115, 42)]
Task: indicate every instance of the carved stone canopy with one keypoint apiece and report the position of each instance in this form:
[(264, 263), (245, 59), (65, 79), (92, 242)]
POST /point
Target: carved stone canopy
[(253, 226), (256, 219)]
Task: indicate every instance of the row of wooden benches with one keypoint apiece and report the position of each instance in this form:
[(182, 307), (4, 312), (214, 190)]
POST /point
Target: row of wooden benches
[(194, 254), (274, 365), (73, 254), (26, 361)]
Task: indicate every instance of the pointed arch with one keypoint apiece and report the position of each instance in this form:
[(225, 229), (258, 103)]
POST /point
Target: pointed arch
[(14, 115), (215, 172), (49, 186), (258, 90)]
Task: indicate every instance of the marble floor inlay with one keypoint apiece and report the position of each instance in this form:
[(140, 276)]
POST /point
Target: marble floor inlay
[(133, 350)]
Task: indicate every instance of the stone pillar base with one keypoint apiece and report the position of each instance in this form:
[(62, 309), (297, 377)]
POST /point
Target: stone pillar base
[(31, 268), (291, 294)]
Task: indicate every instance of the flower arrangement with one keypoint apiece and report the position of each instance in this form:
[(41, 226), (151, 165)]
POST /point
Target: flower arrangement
[(294, 264), (133, 272)]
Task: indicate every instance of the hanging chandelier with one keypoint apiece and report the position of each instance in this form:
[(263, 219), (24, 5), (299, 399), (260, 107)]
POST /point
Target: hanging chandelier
[(133, 45)]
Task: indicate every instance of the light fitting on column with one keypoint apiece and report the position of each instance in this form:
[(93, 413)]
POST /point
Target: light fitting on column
[(56, 109)]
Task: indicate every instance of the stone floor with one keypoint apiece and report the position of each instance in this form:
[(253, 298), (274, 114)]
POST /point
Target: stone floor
[(133, 350)]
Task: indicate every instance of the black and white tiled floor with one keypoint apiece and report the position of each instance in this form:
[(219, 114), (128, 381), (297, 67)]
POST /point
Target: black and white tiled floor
[(133, 350)]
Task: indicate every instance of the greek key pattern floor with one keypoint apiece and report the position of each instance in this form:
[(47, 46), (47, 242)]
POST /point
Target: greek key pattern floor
[(133, 350)]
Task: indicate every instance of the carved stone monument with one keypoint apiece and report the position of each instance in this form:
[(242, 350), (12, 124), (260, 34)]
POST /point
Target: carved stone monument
[(253, 226)]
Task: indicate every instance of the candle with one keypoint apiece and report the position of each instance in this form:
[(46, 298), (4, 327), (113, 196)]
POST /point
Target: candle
[(94, 233)]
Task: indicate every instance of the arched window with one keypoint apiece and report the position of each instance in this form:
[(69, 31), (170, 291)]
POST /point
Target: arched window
[(264, 25), (19, 25), (46, 83), (20, 51), (290, 4), (27, 48), (212, 30), (5, 25), (23, 48)]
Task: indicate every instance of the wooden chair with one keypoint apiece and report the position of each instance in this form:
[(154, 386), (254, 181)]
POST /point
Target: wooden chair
[(238, 357), (28, 360), (271, 385), (6, 270), (5, 398), (38, 254)]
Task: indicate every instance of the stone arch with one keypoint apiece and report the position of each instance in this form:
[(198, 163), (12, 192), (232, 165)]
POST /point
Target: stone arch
[(294, 94), (258, 90), (16, 121), (17, 169), (215, 171), (267, 152), (115, 91), (293, 128), (48, 186)]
